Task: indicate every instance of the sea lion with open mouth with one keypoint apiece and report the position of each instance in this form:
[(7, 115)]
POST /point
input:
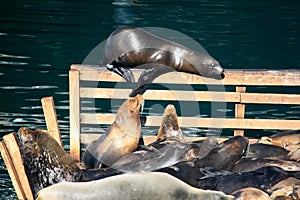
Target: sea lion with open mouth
[(128, 47), (120, 138), (282, 139)]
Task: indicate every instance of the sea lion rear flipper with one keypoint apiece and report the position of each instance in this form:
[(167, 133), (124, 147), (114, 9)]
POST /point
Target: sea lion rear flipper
[(151, 72)]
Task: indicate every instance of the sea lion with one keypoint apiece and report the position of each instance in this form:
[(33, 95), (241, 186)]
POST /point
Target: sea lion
[(146, 186), (169, 128), (282, 139), (120, 138), (259, 150), (296, 191), (250, 194), (264, 179), (45, 161), (129, 47), (250, 164), (285, 188), (222, 157), (167, 150)]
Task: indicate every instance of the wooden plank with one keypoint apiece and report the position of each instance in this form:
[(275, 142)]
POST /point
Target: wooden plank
[(12, 171), (239, 110), (261, 98), (232, 77), (51, 118), (14, 152), (74, 97), (88, 138), (171, 95), (203, 122)]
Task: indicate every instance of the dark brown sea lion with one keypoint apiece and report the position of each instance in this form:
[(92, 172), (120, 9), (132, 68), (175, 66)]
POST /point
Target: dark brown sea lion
[(282, 139), (120, 138), (264, 179), (250, 194), (259, 150), (128, 47), (133, 186), (250, 164), (45, 161), (222, 157)]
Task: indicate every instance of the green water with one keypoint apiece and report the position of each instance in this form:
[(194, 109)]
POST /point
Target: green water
[(40, 39)]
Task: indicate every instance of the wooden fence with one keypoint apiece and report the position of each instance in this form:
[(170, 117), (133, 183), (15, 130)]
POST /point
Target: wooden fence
[(240, 79)]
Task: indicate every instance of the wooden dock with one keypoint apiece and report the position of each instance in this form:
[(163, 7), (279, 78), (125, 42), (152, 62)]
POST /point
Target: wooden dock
[(78, 74)]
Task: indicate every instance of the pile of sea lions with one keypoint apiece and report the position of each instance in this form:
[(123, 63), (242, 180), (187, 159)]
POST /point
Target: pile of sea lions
[(119, 166)]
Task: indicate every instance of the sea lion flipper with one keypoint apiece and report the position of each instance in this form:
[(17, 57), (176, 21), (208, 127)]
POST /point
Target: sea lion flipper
[(125, 73), (151, 72)]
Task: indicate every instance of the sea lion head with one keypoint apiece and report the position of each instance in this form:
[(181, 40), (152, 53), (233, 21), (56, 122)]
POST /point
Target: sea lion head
[(28, 142), (225, 154), (210, 68), (169, 127), (128, 118)]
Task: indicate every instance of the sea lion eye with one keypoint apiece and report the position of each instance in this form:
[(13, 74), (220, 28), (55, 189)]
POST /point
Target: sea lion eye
[(212, 64)]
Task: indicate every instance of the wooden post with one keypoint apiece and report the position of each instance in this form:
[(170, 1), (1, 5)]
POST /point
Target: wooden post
[(15, 155), (240, 110), (74, 97), (51, 118), (12, 171)]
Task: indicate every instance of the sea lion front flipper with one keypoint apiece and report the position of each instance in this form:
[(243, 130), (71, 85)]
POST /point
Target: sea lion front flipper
[(151, 72), (125, 73)]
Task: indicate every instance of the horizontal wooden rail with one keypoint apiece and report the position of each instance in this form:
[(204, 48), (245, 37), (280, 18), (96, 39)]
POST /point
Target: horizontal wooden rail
[(171, 95), (232, 77), (267, 98), (174, 95), (203, 122)]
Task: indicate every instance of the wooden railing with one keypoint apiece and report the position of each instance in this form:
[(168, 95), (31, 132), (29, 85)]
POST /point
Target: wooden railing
[(241, 79)]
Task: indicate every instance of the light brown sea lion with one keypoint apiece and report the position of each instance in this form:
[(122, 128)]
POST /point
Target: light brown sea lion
[(282, 139), (120, 138), (285, 188), (45, 161), (296, 192), (250, 194), (146, 186), (129, 47), (169, 128)]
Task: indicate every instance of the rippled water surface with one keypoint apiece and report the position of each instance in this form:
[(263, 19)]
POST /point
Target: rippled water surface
[(40, 39)]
